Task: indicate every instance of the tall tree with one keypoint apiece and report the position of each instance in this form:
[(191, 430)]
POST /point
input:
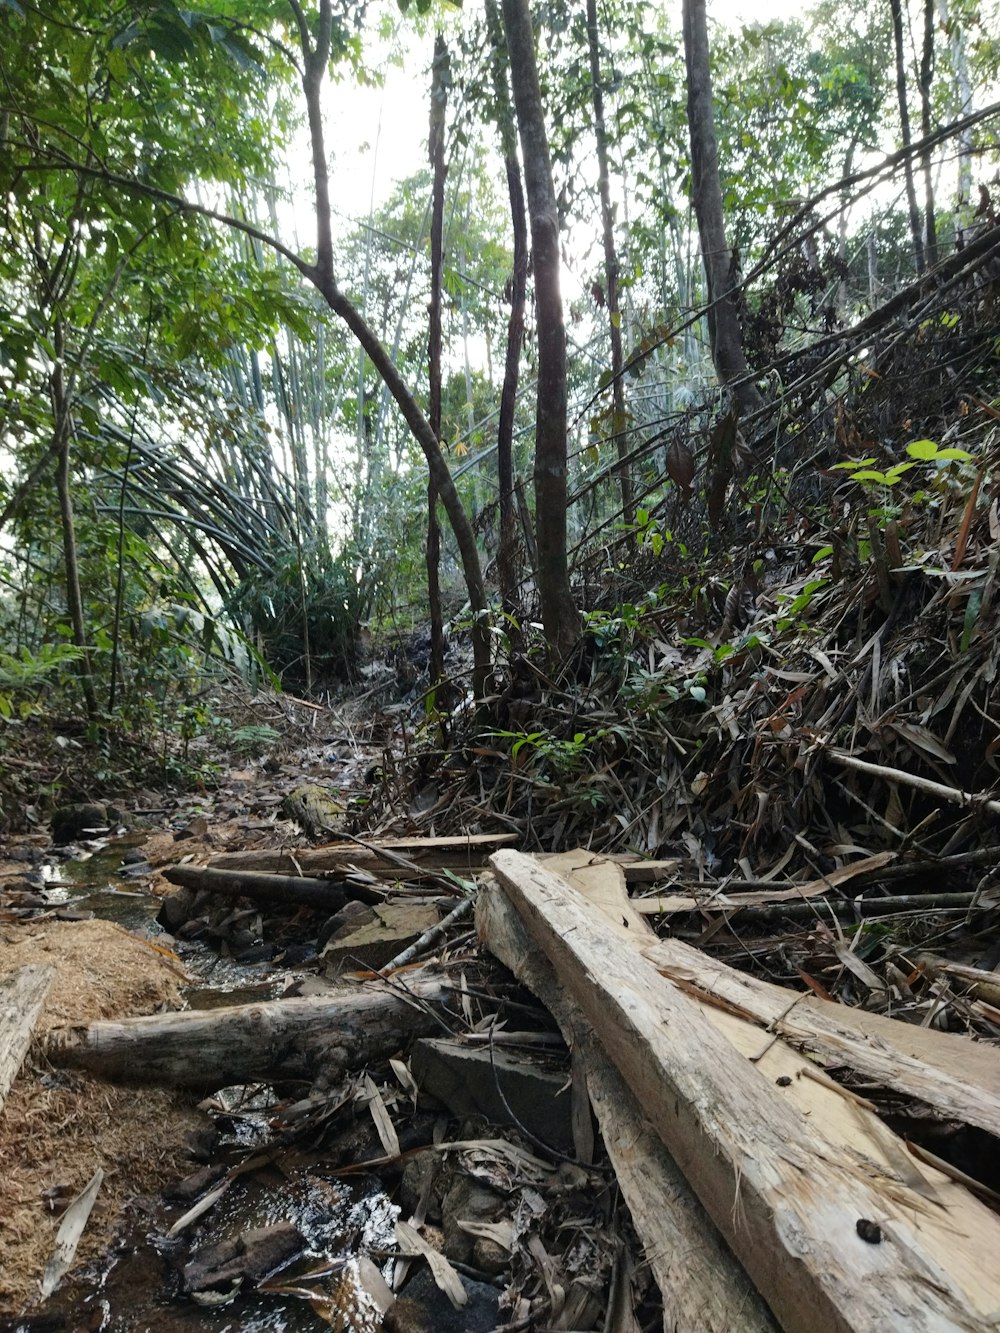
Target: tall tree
[(439, 170), (619, 419), (506, 574), (896, 8), (725, 335), (560, 618)]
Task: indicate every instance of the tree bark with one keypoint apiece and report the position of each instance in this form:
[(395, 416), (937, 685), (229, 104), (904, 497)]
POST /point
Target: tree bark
[(904, 129), (560, 618), (250, 1043), (725, 335), (506, 571), (611, 269)]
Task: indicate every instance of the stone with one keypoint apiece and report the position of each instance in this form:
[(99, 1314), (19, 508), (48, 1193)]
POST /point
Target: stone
[(70, 822), (466, 1080), (394, 927), (422, 1308), (467, 1201)]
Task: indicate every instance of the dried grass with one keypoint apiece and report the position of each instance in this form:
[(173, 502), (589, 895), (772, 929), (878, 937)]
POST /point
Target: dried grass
[(56, 1130)]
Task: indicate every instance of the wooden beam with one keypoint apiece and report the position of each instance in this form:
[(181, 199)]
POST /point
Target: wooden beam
[(836, 1224), (703, 1287), (22, 995)]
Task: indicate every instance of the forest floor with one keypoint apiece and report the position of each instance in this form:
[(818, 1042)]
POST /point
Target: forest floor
[(791, 759)]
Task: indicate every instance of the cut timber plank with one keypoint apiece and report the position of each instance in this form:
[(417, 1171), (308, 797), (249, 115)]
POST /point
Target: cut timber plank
[(338, 858), (277, 1039), (22, 995), (952, 1075), (787, 1172), (704, 1289)]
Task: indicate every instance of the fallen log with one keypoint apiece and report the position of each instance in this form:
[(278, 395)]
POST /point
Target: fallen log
[(838, 1227), (302, 890), (22, 995), (704, 1289), (250, 1043), (463, 854)]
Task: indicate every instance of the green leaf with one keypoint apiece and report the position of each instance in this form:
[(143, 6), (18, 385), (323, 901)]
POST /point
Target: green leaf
[(924, 450)]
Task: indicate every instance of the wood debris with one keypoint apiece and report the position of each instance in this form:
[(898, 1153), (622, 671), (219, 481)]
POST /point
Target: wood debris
[(837, 1224)]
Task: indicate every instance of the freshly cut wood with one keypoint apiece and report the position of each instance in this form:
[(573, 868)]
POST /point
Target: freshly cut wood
[(267, 1042), (464, 854), (704, 1289), (22, 995), (306, 891), (837, 1225), (952, 1075)]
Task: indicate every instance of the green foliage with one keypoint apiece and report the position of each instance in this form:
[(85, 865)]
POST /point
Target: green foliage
[(22, 676)]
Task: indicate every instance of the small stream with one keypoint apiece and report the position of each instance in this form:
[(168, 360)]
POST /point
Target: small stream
[(138, 1289)]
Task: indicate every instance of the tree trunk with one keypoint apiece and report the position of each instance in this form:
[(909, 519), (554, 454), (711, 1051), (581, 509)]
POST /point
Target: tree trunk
[(22, 997), (560, 618), (439, 169), (904, 129), (506, 571), (926, 78), (315, 56), (963, 88), (74, 595), (725, 335), (619, 420)]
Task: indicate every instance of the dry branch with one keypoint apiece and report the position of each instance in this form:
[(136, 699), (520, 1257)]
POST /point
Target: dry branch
[(427, 856)]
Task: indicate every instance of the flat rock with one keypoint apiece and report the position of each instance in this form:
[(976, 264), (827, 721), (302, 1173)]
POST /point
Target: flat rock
[(393, 928), (469, 1083)]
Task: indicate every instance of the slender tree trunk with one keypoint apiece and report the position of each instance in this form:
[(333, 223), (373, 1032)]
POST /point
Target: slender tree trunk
[(619, 419), (439, 103), (904, 129), (316, 53), (74, 597), (560, 618), (506, 571), (725, 335), (926, 78), (963, 89)]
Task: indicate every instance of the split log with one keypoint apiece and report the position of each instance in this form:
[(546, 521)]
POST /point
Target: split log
[(838, 1227), (463, 854), (302, 890), (953, 1076), (22, 995), (250, 1043), (703, 1287)]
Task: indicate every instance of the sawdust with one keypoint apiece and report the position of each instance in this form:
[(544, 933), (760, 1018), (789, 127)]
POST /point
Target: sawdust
[(58, 1127)]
